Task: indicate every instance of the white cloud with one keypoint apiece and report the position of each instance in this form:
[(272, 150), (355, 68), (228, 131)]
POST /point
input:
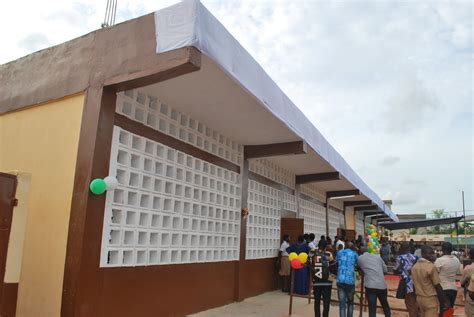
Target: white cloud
[(389, 160), (411, 106), (359, 70), (33, 42)]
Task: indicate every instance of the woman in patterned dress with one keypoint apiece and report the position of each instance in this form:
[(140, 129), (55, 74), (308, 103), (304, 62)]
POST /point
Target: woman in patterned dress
[(404, 263)]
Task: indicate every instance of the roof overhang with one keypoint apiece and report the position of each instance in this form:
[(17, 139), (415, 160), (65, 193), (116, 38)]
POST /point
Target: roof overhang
[(224, 86), (233, 94), (419, 223)]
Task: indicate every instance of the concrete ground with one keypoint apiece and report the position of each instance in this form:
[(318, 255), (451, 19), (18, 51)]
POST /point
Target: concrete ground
[(271, 304), (276, 304)]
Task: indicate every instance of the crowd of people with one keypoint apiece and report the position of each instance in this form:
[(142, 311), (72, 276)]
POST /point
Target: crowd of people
[(430, 279), (427, 279)]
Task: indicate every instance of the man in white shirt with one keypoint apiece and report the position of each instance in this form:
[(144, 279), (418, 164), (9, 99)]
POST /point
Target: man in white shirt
[(448, 266), (284, 263), (417, 252), (312, 242)]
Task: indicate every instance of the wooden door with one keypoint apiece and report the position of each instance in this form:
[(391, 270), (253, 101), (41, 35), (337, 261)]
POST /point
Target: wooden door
[(347, 233), (292, 226), (8, 185)]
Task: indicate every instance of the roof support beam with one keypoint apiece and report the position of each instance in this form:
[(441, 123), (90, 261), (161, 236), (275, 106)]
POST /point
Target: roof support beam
[(276, 149), (365, 208), (342, 193), (370, 213), (358, 203), (319, 177)]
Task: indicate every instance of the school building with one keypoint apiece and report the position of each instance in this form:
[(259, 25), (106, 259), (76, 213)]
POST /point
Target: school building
[(213, 160)]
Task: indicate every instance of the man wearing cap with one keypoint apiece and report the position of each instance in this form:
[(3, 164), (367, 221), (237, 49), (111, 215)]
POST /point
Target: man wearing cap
[(340, 242), (429, 293)]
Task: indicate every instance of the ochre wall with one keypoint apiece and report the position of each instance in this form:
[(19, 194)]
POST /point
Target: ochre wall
[(43, 141)]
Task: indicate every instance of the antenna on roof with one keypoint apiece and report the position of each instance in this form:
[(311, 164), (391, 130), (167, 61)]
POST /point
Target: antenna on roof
[(110, 12)]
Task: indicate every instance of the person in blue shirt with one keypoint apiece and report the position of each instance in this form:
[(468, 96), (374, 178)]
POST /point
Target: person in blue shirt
[(346, 265)]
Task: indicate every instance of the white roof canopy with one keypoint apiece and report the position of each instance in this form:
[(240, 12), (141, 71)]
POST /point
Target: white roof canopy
[(242, 101)]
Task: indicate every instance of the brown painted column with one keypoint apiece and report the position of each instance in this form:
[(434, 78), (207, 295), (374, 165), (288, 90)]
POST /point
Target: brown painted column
[(239, 276), (85, 224), (344, 214), (82, 286), (327, 216), (297, 195)]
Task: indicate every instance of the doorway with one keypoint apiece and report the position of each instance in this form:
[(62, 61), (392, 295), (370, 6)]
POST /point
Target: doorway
[(8, 293), (292, 226)]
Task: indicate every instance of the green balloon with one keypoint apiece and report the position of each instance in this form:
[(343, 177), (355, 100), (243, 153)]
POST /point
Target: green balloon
[(98, 186)]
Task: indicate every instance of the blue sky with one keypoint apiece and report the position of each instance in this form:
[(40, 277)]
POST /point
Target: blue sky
[(388, 83)]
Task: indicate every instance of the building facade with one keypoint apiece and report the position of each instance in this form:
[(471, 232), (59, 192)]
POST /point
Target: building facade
[(206, 172)]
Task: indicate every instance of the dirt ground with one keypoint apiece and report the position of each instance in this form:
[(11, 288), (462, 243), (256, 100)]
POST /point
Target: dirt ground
[(398, 303)]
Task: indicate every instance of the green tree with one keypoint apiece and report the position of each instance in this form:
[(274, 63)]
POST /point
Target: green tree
[(469, 227), (439, 213), (440, 229)]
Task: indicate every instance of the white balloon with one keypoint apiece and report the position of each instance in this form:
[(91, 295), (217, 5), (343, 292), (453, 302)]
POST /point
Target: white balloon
[(111, 182)]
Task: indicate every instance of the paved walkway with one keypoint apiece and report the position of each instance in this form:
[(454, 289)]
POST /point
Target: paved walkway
[(276, 304), (271, 304)]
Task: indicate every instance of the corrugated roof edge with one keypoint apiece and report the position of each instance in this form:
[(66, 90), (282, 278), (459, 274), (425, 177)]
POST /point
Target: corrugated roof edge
[(189, 23)]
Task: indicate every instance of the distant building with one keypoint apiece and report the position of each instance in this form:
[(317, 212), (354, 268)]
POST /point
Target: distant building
[(410, 217)]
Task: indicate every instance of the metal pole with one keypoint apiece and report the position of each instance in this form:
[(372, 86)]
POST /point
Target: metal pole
[(363, 229), (361, 293), (292, 282), (464, 215), (309, 285), (457, 235)]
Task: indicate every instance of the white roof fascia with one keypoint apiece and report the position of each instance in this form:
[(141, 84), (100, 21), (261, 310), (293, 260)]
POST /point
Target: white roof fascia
[(189, 23)]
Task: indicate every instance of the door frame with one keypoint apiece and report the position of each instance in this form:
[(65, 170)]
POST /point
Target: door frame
[(8, 291)]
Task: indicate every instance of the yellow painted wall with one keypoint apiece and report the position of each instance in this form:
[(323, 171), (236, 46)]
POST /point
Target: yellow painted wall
[(43, 141)]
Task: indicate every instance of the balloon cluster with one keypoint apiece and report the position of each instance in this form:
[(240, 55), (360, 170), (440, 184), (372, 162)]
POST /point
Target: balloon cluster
[(373, 243), (298, 260), (98, 186)]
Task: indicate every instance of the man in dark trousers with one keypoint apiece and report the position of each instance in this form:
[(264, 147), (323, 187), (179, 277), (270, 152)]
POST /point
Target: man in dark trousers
[(346, 264), (322, 265), (374, 268), (448, 267)]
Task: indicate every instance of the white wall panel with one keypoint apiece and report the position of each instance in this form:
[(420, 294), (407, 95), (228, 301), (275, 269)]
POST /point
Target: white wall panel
[(263, 223), (169, 208), (150, 111), (314, 216)]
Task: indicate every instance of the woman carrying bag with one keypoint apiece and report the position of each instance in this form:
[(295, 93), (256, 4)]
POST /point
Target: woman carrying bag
[(406, 290)]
